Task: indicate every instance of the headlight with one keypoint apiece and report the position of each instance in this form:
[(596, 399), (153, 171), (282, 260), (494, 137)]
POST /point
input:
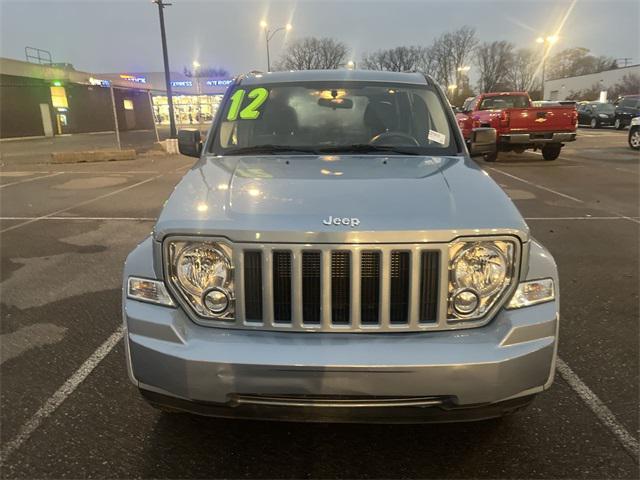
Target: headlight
[(479, 273), (602, 115), (203, 274)]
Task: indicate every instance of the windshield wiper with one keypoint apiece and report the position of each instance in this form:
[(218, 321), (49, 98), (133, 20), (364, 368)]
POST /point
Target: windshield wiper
[(368, 148), (269, 149)]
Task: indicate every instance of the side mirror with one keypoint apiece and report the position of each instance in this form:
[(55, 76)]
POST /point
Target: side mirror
[(189, 142), (483, 140)]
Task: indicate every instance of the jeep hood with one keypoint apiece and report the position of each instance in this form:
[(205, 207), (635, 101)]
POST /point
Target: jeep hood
[(287, 198)]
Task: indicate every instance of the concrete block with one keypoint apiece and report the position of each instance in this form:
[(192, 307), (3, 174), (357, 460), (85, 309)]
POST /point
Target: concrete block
[(93, 156)]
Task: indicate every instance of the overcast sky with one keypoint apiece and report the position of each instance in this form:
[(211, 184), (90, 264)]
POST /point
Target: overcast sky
[(124, 36)]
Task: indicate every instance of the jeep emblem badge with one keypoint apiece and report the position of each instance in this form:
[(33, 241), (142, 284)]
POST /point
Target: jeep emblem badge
[(352, 222)]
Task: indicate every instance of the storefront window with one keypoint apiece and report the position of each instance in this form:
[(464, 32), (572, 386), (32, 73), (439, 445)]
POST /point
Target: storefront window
[(189, 109)]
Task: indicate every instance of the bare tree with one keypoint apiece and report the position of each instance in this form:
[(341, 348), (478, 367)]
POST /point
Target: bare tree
[(522, 69), (577, 61), (206, 72), (494, 62), (451, 52), (400, 59), (313, 53)]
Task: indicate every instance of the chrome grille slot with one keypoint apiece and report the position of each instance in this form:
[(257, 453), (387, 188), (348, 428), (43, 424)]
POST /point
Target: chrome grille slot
[(341, 288), (311, 288), (281, 286), (369, 287), (400, 265), (429, 287), (253, 286)]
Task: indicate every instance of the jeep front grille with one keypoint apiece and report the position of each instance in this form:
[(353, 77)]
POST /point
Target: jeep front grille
[(340, 288)]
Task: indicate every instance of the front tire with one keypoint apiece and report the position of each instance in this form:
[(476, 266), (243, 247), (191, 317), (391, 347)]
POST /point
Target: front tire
[(551, 152), (634, 138), (490, 157), (594, 123)]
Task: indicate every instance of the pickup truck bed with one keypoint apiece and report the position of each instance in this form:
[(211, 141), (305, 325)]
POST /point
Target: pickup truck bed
[(519, 125)]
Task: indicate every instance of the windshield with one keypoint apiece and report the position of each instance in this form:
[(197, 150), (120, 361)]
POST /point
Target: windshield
[(605, 108), (317, 117), (504, 101)]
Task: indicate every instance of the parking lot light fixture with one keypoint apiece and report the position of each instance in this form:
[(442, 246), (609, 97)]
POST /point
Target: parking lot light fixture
[(167, 75), (268, 35), (546, 42)]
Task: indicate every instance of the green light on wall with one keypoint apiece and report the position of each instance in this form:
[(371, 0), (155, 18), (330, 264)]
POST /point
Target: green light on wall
[(57, 83)]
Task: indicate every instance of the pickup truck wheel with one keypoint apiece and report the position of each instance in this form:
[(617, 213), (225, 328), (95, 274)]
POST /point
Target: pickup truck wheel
[(593, 123), (490, 157), (551, 152)]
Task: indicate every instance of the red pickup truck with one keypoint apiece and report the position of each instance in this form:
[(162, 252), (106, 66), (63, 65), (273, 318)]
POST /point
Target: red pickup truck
[(518, 124)]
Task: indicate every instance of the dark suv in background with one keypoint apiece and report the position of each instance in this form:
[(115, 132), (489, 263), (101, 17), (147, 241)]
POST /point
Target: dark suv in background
[(627, 107)]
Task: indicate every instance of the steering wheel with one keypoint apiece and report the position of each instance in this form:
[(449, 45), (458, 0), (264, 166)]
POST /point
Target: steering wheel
[(394, 138)]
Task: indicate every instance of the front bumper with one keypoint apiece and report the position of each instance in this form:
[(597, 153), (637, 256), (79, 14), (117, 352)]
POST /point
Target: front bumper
[(536, 138), (169, 355)]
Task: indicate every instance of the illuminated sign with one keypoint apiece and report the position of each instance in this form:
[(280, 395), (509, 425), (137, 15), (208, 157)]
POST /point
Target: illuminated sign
[(99, 82), (133, 78), (182, 83), (219, 83)]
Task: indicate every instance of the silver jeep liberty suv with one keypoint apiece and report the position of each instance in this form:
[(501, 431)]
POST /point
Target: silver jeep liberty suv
[(336, 255)]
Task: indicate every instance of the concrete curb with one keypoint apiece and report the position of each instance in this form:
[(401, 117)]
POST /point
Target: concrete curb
[(93, 156)]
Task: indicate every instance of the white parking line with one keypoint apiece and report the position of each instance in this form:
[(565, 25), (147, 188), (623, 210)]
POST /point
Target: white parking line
[(632, 219), (600, 410), (60, 395), (31, 179), (86, 202), (536, 185)]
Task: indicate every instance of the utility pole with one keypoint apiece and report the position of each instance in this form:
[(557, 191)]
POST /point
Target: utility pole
[(167, 75)]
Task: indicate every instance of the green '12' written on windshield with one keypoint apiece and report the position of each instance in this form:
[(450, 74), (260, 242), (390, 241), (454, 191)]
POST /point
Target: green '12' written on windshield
[(250, 112)]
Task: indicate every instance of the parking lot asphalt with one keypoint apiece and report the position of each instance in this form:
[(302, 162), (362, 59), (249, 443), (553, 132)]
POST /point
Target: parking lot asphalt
[(68, 409)]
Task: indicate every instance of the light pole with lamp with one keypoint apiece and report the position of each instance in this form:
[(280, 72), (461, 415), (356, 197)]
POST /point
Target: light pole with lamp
[(196, 66), (464, 77), (268, 35), (547, 43)]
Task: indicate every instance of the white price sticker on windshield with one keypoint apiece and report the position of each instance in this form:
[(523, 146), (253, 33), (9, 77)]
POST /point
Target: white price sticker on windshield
[(437, 137)]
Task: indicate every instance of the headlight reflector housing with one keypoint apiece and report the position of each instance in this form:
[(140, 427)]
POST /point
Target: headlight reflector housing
[(202, 272), (479, 273)]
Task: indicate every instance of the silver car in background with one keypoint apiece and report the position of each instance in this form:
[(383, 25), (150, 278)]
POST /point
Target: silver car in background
[(336, 255)]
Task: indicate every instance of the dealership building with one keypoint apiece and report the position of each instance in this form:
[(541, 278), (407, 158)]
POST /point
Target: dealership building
[(45, 100), (561, 88)]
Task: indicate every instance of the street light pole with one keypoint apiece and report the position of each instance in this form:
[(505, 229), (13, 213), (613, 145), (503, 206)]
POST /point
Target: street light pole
[(196, 66), (268, 35), (167, 75), (547, 43)]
